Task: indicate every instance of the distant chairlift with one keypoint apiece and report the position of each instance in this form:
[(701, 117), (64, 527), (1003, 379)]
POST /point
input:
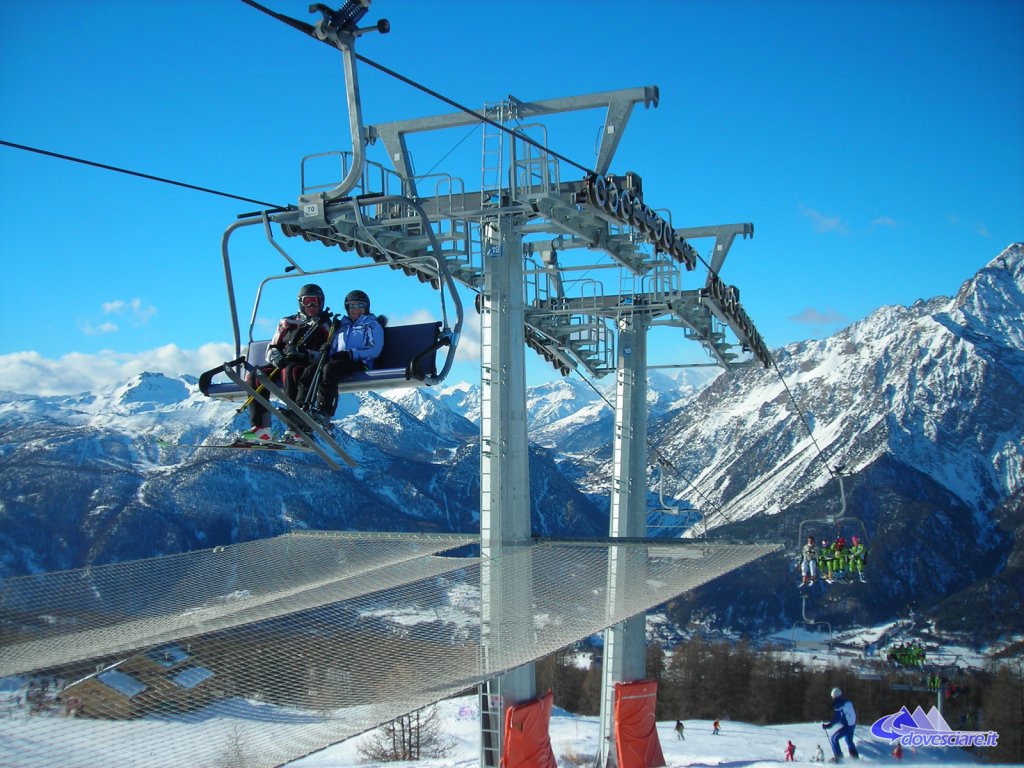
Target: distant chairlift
[(682, 519), (832, 524)]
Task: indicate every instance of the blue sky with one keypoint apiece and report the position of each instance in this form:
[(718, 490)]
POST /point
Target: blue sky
[(876, 147)]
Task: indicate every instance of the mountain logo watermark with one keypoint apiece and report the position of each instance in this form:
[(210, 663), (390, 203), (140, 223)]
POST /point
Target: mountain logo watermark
[(928, 730)]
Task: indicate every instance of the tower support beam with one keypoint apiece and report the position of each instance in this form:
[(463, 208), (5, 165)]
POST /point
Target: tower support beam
[(625, 649)]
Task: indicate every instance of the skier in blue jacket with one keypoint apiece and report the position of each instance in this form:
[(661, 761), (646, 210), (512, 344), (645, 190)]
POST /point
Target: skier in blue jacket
[(845, 717), (357, 343)]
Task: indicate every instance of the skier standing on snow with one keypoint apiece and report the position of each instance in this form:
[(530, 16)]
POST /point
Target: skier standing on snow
[(845, 717), (809, 561), (290, 353), (715, 728), (679, 730), (819, 755), (790, 750)]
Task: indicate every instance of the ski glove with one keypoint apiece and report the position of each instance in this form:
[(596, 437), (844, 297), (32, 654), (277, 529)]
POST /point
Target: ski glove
[(295, 355), (342, 354), (275, 358)]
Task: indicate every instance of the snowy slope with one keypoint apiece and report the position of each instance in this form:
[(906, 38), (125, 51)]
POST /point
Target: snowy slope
[(27, 739)]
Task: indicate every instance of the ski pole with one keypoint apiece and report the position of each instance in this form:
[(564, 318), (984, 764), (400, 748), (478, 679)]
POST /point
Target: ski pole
[(318, 373)]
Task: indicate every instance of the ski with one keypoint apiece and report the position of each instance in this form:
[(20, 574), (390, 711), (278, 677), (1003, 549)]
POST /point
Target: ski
[(241, 445)]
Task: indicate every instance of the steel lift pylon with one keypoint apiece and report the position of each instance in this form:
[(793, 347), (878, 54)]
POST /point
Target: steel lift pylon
[(489, 237)]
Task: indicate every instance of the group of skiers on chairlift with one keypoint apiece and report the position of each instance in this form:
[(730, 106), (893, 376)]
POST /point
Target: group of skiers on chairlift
[(310, 353), (832, 560), (910, 654)]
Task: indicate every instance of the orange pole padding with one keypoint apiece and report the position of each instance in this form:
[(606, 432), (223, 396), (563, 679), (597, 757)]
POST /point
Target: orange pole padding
[(527, 742), (636, 731)]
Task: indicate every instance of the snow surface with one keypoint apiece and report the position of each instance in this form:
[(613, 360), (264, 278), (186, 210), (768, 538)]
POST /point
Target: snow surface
[(574, 738), (574, 741)]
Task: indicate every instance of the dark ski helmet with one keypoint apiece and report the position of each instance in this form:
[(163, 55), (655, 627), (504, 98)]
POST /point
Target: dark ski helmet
[(359, 297), (310, 289)]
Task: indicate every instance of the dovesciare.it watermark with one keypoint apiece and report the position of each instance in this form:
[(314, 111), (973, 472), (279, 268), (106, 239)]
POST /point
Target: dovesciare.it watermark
[(918, 729)]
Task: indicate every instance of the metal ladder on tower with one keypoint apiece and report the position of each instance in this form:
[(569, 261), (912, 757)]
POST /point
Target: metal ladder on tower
[(490, 723), (493, 156)]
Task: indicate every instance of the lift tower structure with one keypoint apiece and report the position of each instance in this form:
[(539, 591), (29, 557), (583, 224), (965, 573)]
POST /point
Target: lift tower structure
[(528, 243)]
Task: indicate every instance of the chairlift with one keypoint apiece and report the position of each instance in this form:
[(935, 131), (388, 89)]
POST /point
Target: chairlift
[(812, 626), (688, 517), (408, 358), (832, 523)]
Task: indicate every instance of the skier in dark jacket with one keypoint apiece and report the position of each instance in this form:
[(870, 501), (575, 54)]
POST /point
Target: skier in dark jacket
[(845, 717), (292, 350)]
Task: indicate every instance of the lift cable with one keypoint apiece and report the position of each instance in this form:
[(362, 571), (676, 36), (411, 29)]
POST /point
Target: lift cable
[(309, 30), (161, 179), (803, 420)]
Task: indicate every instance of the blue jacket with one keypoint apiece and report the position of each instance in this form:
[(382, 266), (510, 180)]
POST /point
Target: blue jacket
[(364, 338), (843, 712)]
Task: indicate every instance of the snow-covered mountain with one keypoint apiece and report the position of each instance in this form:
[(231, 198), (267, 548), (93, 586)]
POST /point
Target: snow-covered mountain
[(85, 481), (922, 406)]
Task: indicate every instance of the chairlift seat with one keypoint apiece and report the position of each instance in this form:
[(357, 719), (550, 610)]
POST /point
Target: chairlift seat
[(408, 359)]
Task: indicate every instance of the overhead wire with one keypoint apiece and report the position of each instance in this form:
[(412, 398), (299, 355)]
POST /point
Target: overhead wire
[(139, 174)]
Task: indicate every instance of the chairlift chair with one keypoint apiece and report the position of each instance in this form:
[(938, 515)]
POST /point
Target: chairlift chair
[(686, 515), (408, 357), (813, 626), (832, 522)]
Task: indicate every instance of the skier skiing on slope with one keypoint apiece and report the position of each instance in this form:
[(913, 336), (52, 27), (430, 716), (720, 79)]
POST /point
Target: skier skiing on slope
[(845, 717)]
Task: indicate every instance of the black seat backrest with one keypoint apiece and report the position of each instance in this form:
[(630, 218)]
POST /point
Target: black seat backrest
[(404, 342)]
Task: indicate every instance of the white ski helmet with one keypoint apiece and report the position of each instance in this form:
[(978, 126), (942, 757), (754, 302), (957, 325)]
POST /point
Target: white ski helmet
[(836, 693)]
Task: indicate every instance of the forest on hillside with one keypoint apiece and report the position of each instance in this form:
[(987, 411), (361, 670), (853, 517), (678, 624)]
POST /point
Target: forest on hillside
[(706, 680)]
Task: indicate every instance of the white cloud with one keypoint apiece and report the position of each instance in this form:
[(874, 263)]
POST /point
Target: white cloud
[(140, 311), (97, 330), (982, 230), (812, 316), (825, 222), (31, 373), (885, 221)]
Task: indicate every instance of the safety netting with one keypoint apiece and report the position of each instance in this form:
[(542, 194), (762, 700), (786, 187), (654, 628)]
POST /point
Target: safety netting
[(260, 653)]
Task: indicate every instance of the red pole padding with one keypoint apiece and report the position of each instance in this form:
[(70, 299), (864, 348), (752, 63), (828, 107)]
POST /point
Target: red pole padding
[(527, 742), (636, 731)]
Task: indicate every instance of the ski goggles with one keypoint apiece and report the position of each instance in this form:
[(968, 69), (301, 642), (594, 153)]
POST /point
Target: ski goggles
[(356, 305), (310, 301)]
